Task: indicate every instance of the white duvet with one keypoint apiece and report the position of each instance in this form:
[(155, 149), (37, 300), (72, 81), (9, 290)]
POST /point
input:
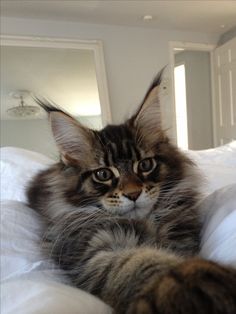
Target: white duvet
[(30, 284)]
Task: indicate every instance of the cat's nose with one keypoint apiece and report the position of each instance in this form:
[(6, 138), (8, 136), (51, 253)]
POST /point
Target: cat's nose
[(133, 195)]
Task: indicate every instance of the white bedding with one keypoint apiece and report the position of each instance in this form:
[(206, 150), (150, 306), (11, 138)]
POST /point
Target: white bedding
[(31, 284)]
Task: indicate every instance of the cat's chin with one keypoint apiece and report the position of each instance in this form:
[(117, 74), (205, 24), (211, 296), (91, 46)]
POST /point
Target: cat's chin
[(132, 209), (137, 212)]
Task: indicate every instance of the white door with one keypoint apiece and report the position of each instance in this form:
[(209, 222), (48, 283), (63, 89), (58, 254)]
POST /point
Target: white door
[(225, 92)]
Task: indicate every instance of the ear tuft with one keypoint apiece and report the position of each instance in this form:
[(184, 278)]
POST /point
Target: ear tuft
[(147, 120)]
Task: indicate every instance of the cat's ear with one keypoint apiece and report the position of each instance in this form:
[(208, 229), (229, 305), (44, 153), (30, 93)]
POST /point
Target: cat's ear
[(147, 120), (75, 141)]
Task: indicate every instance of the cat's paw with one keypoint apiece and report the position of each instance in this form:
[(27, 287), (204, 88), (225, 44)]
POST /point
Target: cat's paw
[(194, 287)]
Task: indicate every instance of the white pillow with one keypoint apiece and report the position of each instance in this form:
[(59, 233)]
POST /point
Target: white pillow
[(221, 155), (37, 295), (217, 166), (18, 166)]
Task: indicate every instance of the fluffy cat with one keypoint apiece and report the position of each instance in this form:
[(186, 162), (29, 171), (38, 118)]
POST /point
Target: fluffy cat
[(122, 217)]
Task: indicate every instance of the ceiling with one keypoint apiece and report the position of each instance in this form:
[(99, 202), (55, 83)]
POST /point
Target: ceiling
[(199, 16)]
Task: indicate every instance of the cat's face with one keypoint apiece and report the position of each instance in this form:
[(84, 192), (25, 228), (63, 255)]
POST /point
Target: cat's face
[(124, 178), (122, 168)]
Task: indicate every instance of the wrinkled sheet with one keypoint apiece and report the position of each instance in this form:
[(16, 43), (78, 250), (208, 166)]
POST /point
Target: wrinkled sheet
[(30, 284), (218, 213)]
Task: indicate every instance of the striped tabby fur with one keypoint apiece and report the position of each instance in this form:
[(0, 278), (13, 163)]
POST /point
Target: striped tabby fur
[(122, 217)]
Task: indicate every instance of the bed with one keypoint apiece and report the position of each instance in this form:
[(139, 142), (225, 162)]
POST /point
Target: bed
[(31, 284)]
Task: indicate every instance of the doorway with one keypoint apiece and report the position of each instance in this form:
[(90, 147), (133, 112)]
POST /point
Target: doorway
[(191, 69)]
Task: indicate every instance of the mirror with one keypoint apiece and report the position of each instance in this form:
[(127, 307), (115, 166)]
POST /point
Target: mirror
[(69, 73), (192, 74)]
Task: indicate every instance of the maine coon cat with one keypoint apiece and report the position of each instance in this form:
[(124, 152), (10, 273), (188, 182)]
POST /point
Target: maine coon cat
[(121, 208)]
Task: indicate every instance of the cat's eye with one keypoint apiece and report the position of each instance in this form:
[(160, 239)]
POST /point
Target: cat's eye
[(103, 174), (146, 164)]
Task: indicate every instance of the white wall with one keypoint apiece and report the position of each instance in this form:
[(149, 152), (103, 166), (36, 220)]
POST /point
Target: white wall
[(132, 55), (29, 134)]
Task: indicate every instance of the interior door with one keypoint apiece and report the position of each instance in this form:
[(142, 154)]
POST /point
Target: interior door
[(224, 59)]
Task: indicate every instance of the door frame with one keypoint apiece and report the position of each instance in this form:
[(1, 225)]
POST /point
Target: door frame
[(198, 47)]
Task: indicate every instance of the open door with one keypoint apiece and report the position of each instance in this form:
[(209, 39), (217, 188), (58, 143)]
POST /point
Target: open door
[(224, 62)]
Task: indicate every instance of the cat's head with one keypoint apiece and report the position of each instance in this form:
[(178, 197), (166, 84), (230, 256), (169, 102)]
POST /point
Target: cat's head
[(121, 168)]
